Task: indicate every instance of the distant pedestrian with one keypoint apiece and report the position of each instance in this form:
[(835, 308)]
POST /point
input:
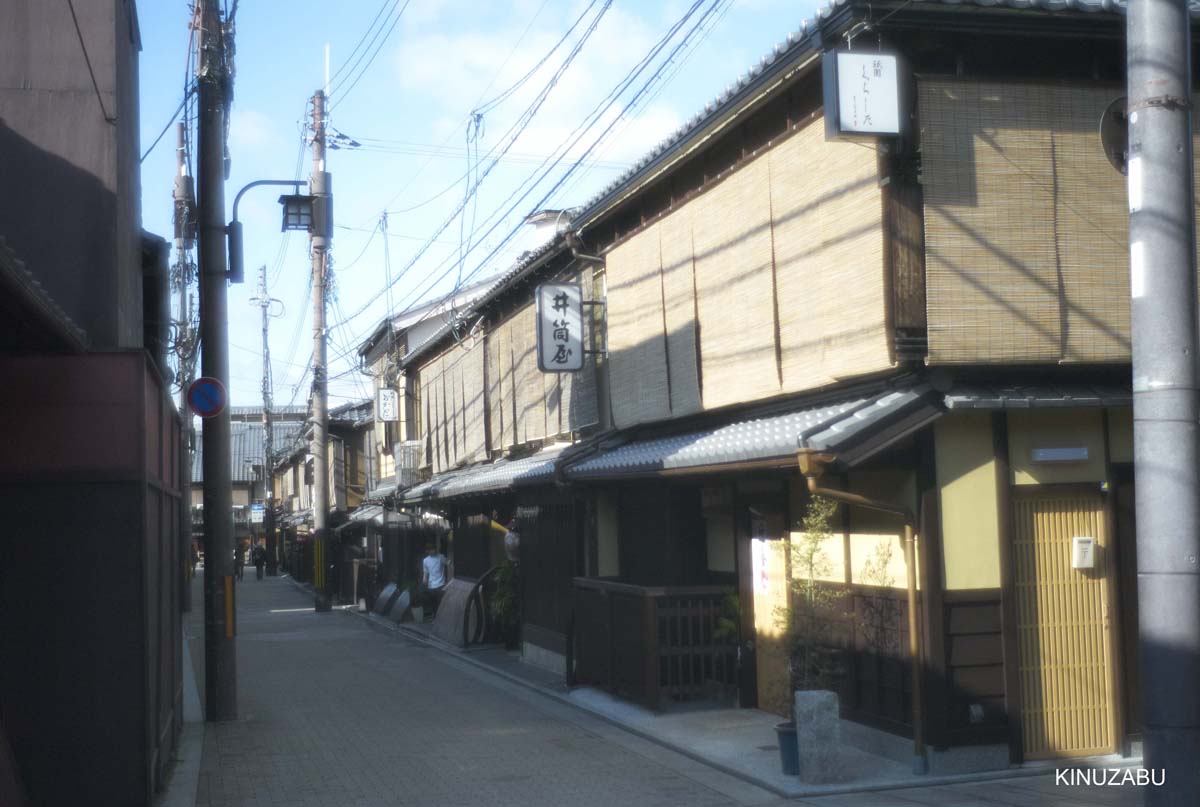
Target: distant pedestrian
[(260, 559), (433, 576), (239, 560)]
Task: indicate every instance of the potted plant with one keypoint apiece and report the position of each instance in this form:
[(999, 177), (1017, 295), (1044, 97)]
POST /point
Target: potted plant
[(506, 603), (811, 738)]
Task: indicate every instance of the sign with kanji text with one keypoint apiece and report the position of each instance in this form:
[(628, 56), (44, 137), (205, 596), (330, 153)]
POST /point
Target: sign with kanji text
[(258, 513), (560, 327), (387, 408), (862, 94)]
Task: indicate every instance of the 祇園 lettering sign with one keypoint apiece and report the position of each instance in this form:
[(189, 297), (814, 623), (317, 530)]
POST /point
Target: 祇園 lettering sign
[(862, 94), (560, 327)]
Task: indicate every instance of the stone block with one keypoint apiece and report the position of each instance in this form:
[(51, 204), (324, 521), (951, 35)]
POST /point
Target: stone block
[(385, 599), (818, 735)]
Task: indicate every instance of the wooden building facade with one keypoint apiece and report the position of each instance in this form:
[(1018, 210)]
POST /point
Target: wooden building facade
[(943, 315)]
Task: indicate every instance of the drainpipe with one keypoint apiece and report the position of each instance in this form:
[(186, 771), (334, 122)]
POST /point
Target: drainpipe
[(812, 466)]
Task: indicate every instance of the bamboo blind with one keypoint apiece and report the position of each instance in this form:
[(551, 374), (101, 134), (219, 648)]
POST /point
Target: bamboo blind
[(790, 243), (1063, 641), (1092, 232), (828, 242), (452, 385), (426, 421), (679, 310), (495, 390), (735, 288), (579, 407), (1026, 224), (474, 400), (530, 392), (636, 347)]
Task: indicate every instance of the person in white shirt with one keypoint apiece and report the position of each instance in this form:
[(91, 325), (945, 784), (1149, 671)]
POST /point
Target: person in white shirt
[(433, 575)]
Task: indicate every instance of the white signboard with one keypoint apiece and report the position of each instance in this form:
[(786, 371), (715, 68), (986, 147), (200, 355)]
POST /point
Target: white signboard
[(1083, 552), (387, 407), (257, 513), (862, 94), (560, 327)]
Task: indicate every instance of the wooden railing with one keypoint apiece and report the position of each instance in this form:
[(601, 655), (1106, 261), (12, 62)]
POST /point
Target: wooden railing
[(652, 644)]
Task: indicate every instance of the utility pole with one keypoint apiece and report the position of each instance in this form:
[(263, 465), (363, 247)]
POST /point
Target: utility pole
[(263, 301), (220, 656), (185, 204), (1162, 239), (319, 448)]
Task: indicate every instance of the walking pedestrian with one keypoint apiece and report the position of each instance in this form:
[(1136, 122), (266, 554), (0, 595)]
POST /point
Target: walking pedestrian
[(239, 559), (433, 577), (260, 559)]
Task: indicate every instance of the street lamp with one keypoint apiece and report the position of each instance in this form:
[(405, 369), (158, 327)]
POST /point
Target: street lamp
[(299, 211)]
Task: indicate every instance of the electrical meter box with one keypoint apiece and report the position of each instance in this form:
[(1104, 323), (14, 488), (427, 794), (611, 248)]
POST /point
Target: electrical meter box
[(1083, 553)]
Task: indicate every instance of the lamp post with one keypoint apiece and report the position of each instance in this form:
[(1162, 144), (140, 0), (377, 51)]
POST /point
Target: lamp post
[(297, 215)]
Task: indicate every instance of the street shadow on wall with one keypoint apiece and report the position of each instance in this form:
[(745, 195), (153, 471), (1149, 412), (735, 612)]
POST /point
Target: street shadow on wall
[(60, 218)]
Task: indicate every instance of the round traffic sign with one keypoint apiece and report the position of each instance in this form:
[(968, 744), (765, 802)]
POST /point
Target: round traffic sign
[(207, 397)]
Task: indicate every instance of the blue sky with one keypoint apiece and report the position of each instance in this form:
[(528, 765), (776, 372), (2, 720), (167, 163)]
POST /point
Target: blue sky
[(409, 109)]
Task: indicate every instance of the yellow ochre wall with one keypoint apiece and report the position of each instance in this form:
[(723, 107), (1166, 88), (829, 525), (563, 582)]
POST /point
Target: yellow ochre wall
[(1120, 434), (970, 513), (1055, 428)]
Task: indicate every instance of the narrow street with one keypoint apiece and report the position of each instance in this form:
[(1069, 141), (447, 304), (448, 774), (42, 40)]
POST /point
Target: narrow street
[(332, 712)]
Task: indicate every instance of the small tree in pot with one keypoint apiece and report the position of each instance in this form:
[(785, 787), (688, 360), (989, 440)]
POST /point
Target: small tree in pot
[(813, 660)]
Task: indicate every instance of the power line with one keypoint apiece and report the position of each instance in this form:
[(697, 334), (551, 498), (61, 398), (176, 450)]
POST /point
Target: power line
[(88, 60), (174, 115), (343, 95), (495, 75), (362, 39), (515, 131), (599, 111)]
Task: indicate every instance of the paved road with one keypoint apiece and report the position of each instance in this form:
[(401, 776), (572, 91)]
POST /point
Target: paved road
[(336, 714)]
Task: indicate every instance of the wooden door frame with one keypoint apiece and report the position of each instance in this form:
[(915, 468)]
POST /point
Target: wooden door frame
[(1008, 597)]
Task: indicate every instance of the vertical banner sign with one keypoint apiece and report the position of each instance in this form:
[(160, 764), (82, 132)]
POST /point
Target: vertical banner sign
[(862, 94), (560, 327), (387, 408)]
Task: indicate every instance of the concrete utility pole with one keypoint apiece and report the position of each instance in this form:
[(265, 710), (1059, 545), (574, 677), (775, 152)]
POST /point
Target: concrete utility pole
[(185, 203), (319, 187), (263, 300), (220, 656), (1162, 239)]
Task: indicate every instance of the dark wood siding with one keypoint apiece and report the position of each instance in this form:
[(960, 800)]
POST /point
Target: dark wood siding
[(550, 526), (974, 651)]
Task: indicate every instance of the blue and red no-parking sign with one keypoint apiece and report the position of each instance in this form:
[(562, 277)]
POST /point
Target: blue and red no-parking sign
[(207, 397)]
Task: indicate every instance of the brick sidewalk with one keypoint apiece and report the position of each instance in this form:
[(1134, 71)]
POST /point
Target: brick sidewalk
[(333, 713)]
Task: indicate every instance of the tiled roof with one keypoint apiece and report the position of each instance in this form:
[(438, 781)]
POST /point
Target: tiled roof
[(801, 43), (494, 476), (246, 447), (827, 427), (18, 283), (991, 396)]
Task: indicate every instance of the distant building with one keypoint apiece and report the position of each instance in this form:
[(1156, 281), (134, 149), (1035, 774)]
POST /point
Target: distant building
[(246, 464)]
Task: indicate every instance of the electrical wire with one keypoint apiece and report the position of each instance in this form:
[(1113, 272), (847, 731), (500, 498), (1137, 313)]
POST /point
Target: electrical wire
[(449, 137), (88, 60), (174, 116), (600, 110), (341, 96), (515, 131), (362, 39)]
